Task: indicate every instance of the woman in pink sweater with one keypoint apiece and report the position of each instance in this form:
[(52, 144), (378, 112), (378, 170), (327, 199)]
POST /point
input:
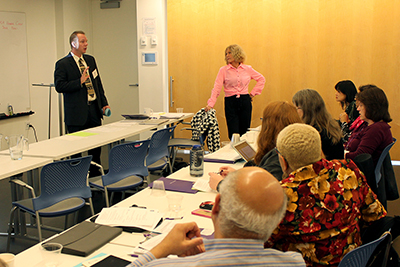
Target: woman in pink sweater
[(235, 78)]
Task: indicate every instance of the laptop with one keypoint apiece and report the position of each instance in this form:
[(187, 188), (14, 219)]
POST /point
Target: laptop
[(245, 150)]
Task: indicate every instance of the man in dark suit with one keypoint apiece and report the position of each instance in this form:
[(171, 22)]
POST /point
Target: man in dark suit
[(77, 77)]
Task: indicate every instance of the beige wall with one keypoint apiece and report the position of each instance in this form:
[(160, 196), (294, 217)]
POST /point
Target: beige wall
[(295, 44)]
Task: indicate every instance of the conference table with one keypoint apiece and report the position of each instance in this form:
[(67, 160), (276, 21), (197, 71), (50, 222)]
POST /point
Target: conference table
[(9, 167), (124, 244), (66, 145), (47, 151), (44, 152)]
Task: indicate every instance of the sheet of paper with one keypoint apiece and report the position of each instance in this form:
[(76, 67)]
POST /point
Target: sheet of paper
[(129, 217), (127, 239), (82, 134), (152, 242), (68, 137), (202, 185), (166, 226), (224, 154)]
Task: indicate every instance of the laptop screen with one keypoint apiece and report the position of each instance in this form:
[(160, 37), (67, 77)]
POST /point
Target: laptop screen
[(245, 150)]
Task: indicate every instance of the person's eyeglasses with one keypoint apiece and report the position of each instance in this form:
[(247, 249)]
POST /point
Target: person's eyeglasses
[(277, 151)]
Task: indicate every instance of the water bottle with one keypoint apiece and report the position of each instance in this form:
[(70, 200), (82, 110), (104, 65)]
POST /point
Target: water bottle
[(196, 161)]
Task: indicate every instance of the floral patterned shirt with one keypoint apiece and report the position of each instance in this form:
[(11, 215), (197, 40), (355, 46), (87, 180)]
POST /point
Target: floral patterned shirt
[(328, 202)]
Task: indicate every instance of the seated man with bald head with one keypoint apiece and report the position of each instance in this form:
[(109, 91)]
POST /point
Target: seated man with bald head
[(328, 200), (250, 205)]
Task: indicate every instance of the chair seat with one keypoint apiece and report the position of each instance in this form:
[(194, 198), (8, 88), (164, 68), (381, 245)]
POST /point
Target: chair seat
[(122, 185), (61, 208), (158, 165), (182, 142)]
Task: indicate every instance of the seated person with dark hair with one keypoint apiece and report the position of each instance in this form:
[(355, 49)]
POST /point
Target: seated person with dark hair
[(329, 201), (250, 205)]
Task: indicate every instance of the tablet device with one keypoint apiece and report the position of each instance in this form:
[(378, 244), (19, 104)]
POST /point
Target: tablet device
[(111, 261), (245, 150)]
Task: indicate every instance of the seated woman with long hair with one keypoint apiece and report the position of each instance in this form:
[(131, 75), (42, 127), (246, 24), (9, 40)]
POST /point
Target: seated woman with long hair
[(345, 94), (373, 106), (312, 110), (276, 116)]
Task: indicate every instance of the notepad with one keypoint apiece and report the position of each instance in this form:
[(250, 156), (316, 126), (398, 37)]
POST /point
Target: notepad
[(129, 217), (223, 155)]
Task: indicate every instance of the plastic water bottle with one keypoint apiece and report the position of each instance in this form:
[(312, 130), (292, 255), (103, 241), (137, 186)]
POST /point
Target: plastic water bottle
[(196, 161)]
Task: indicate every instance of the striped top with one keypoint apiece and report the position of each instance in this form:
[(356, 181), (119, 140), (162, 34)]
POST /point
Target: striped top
[(228, 252)]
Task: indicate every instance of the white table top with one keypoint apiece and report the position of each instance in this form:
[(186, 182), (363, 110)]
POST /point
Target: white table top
[(32, 257), (9, 167), (67, 145)]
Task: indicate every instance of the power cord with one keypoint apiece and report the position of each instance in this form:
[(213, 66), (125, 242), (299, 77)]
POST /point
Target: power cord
[(34, 131)]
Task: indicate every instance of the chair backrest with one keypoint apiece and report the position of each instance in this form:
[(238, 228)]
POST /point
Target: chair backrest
[(158, 147), (380, 160), (125, 160), (360, 256), (63, 179)]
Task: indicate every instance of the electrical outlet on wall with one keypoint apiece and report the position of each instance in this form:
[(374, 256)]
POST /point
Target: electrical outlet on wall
[(27, 126)]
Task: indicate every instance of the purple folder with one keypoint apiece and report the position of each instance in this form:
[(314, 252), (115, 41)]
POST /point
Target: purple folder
[(177, 185)]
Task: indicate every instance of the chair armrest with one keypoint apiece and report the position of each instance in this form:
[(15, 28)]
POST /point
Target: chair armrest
[(99, 166), (191, 129), (25, 185)]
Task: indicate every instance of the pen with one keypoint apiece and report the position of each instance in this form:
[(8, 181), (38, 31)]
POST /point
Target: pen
[(174, 218), (221, 171), (133, 255)]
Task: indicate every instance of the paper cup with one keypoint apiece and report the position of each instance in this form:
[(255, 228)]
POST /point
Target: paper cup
[(8, 258)]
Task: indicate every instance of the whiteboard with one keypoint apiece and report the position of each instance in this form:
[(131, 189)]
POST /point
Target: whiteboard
[(14, 76)]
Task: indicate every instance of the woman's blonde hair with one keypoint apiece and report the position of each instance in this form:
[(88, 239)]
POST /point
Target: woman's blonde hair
[(237, 53), (276, 116), (316, 114)]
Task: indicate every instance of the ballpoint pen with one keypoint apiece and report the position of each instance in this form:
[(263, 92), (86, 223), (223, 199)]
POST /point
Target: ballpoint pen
[(174, 218)]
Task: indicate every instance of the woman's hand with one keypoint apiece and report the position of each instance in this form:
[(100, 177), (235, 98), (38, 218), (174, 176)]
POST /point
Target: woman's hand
[(207, 108)]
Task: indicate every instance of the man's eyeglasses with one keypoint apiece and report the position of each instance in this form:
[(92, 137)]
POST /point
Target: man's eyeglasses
[(279, 153)]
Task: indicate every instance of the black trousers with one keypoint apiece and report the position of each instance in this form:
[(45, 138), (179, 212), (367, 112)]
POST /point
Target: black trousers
[(238, 114), (93, 120)]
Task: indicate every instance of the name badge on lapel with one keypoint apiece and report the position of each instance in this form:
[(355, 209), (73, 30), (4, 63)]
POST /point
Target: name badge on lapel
[(94, 73)]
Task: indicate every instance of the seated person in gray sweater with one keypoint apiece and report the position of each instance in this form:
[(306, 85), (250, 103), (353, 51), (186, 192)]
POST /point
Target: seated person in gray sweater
[(276, 116)]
